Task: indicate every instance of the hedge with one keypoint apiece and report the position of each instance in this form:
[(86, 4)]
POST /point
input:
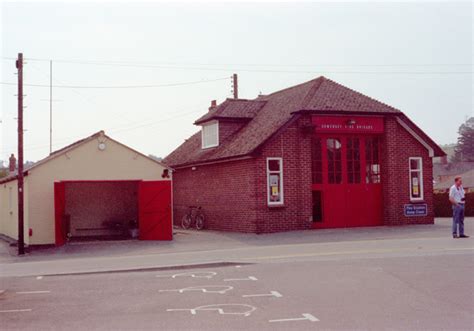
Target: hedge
[(442, 206)]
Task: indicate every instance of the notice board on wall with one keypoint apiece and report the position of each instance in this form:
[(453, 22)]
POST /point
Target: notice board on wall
[(415, 210)]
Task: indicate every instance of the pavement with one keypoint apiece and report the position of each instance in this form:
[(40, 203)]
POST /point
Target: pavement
[(384, 278)]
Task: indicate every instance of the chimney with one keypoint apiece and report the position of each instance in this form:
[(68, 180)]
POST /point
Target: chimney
[(213, 105), (12, 164)]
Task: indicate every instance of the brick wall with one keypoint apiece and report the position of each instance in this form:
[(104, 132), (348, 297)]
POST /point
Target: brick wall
[(294, 147), (234, 194), (226, 192), (398, 146)]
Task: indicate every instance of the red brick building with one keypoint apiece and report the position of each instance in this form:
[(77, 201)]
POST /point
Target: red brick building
[(315, 155)]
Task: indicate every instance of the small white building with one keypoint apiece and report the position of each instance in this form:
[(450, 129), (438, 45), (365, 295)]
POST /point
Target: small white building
[(95, 187)]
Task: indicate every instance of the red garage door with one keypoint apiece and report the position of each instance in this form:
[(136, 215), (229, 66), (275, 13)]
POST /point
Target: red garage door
[(154, 209), (347, 188)]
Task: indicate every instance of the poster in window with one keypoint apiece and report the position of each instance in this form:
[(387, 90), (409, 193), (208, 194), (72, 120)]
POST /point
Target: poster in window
[(274, 182), (415, 187)]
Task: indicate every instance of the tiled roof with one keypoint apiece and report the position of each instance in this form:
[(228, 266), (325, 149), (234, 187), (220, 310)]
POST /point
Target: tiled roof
[(63, 150), (320, 94), (467, 181), (233, 109), (457, 168)]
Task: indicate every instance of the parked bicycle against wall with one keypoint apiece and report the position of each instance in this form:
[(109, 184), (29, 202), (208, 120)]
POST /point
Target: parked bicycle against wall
[(194, 215)]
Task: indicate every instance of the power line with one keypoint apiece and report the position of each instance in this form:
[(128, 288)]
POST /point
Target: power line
[(159, 64), (121, 86), (125, 128)]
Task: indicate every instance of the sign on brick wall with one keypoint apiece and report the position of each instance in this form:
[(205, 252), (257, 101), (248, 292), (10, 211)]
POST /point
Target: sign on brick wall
[(416, 210), (348, 124)]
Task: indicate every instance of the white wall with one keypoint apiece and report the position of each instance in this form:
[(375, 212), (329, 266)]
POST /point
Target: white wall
[(85, 162)]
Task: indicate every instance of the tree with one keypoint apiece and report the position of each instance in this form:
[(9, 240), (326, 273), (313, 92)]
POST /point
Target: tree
[(464, 150)]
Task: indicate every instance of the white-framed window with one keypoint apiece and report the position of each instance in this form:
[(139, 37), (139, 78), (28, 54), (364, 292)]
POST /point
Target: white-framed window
[(210, 134), (416, 178), (274, 181)]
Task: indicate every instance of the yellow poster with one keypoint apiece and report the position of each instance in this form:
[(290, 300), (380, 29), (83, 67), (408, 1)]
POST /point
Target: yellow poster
[(415, 186), (274, 190)]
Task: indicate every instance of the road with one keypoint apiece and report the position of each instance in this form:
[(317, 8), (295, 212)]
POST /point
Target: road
[(398, 284)]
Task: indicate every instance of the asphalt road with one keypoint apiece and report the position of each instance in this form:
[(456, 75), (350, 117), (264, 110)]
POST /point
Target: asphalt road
[(364, 287)]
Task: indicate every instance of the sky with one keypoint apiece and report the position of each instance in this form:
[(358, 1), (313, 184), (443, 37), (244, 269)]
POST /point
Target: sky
[(415, 56)]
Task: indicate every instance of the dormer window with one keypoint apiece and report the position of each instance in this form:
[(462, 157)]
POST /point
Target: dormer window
[(210, 134)]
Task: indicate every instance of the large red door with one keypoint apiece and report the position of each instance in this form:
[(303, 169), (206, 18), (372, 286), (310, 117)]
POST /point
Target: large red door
[(155, 210), (59, 211), (346, 175)]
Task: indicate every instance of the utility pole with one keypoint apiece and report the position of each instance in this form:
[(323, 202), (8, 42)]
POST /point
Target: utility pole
[(50, 106), (21, 239), (235, 86)]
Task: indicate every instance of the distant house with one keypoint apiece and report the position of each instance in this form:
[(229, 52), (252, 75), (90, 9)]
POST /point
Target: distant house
[(95, 187), (448, 181), (442, 172), (314, 155)]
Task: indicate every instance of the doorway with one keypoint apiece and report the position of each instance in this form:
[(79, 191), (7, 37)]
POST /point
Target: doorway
[(112, 210), (347, 185)]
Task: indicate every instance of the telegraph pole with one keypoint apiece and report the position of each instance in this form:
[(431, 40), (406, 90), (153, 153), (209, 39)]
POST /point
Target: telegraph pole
[(50, 106), (21, 239), (235, 86)]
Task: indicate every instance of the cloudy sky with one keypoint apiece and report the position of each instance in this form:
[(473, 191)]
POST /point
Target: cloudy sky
[(416, 56)]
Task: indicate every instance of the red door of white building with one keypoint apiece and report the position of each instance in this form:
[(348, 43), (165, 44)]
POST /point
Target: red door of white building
[(155, 211)]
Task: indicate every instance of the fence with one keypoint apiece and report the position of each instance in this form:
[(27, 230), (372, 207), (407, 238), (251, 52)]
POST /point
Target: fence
[(442, 206)]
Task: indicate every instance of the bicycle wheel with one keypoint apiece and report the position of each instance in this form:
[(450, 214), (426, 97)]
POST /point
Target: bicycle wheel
[(186, 221), (199, 221)]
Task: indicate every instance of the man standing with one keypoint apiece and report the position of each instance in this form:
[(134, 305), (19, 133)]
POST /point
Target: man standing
[(456, 196)]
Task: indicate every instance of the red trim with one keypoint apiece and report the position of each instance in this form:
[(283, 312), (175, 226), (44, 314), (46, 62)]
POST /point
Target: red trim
[(348, 124), (101, 181), (59, 209)]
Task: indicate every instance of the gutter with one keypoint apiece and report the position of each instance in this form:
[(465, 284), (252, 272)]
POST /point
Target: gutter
[(219, 160), (10, 179)]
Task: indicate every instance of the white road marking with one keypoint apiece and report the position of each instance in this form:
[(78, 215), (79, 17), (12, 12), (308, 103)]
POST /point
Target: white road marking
[(15, 311), (238, 266), (39, 277), (203, 289), (219, 308), (271, 294), (33, 292), (306, 317), (235, 279), (208, 275)]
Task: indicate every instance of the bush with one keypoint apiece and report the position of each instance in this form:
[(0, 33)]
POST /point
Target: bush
[(442, 206)]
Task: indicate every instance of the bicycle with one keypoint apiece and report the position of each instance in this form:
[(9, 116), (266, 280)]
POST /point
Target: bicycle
[(195, 215)]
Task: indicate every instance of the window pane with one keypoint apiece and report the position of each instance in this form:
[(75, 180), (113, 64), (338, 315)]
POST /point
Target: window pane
[(210, 135), (274, 165), (275, 187), (415, 183), (353, 160), (333, 144), (372, 160), (414, 164), (334, 160), (317, 161)]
